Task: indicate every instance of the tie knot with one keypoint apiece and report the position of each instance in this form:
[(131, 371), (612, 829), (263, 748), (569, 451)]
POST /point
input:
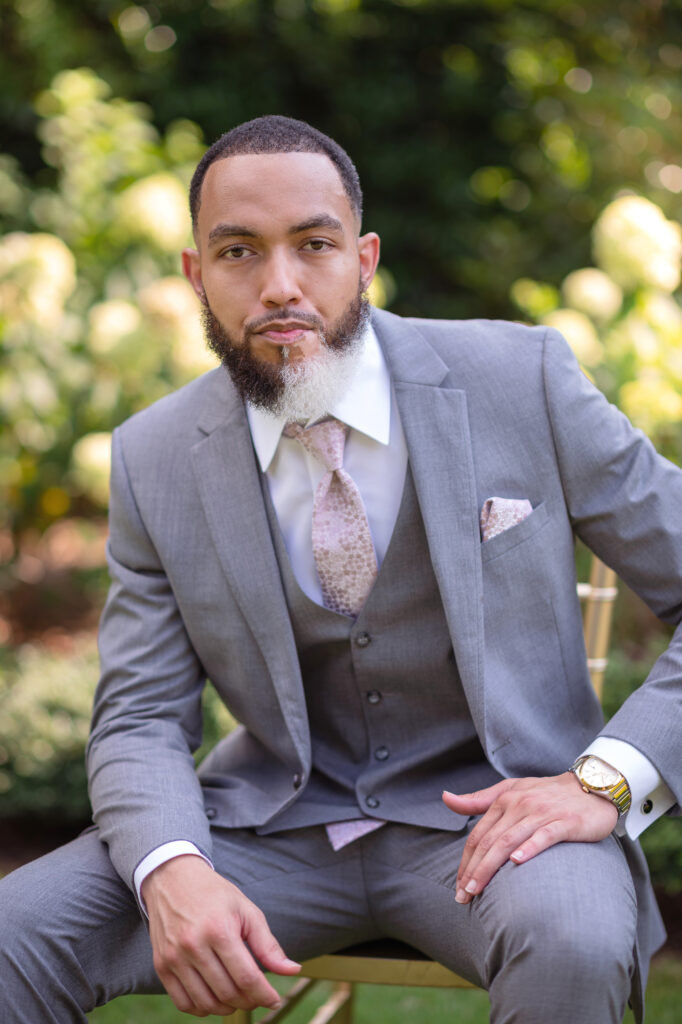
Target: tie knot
[(324, 440)]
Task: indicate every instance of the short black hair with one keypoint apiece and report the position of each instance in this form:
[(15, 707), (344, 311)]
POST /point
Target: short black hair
[(276, 134)]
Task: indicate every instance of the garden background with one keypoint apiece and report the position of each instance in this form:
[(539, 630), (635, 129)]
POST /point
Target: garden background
[(519, 160)]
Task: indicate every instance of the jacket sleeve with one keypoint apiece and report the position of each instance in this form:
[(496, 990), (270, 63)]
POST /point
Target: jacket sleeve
[(624, 500), (147, 712)]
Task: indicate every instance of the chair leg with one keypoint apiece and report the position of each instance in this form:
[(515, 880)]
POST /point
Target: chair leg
[(338, 1009)]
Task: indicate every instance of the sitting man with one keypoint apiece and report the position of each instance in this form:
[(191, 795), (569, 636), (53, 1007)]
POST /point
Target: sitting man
[(361, 529)]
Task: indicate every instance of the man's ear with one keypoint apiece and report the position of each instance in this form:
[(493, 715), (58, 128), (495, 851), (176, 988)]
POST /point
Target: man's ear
[(191, 268), (369, 246)]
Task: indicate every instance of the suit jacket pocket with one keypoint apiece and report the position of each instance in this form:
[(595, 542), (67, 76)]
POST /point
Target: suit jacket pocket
[(510, 538)]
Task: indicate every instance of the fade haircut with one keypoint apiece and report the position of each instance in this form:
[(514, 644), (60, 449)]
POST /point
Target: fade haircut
[(276, 134)]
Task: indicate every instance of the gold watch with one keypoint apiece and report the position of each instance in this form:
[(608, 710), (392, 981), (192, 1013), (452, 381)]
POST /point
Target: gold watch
[(596, 776)]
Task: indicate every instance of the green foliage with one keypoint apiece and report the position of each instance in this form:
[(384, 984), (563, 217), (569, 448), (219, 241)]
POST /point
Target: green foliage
[(45, 705), (94, 323)]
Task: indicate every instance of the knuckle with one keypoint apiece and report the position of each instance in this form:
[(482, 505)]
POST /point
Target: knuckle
[(171, 959), (245, 978), (486, 844)]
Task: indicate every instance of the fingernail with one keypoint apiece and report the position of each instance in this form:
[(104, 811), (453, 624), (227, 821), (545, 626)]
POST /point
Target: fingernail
[(461, 896), (517, 855), (292, 963), (471, 887)]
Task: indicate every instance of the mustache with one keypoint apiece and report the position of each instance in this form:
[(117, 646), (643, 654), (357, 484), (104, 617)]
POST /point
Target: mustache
[(276, 316)]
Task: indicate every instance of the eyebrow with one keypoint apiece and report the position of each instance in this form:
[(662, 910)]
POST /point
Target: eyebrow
[(322, 220)]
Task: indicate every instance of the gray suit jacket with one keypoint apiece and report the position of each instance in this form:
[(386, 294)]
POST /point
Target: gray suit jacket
[(487, 409)]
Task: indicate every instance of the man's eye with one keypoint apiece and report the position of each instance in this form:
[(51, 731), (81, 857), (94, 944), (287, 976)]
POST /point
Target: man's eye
[(235, 252), (316, 245)]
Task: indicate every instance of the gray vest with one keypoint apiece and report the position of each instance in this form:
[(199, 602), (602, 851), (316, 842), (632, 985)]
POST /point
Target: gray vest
[(389, 722)]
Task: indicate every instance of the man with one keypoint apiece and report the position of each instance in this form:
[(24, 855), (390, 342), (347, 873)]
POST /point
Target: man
[(377, 647)]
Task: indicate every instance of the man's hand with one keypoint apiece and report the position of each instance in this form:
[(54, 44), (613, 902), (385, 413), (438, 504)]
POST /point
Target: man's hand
[(522, 817), (199, 924)]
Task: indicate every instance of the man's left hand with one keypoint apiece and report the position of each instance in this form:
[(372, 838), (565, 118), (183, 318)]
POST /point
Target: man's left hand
[(521, 818)]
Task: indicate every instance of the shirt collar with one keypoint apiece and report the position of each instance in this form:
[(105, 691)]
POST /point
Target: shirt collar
[(365, 407)]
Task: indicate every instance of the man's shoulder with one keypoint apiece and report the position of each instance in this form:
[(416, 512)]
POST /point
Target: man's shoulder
[(479, 336), (179, 414), (478, 347)]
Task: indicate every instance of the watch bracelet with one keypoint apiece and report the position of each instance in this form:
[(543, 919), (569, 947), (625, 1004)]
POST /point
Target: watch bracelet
[(620, 796)]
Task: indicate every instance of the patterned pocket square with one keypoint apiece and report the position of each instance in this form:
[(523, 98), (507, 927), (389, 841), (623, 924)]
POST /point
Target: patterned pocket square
[(499, 514)]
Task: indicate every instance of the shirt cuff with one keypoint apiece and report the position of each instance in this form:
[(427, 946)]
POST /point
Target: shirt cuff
[(651, 797), (159, 856)]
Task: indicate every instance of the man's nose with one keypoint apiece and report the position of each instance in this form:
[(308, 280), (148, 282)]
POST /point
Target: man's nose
[(280, 283)]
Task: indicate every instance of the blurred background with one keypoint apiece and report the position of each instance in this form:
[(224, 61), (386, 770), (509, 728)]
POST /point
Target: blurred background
[(519, 160)]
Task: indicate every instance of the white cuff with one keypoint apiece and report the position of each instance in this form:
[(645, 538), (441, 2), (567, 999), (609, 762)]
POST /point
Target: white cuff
[(651, 797), (159, 856)]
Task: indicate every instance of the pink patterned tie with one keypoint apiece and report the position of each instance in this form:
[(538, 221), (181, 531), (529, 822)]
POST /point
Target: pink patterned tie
[(342, 543)]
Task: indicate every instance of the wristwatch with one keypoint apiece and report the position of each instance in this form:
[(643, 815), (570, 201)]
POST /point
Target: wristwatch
[(596, 776)]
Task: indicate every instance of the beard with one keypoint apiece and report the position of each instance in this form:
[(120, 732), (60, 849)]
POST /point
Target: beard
[(306, 388)]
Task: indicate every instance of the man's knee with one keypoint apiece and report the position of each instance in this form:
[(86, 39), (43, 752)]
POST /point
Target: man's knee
[(575, 914)]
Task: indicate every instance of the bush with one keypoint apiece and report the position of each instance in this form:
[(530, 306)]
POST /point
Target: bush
[(45, 703)]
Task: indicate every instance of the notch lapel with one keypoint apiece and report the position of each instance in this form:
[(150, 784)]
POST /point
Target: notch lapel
[(436, 426), (228, 480)]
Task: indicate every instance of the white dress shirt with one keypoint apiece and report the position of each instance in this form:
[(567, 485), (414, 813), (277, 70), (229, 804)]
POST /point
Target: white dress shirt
[(376, 458)]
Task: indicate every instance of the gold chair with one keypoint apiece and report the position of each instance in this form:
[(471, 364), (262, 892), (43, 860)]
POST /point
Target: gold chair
[(387, 961)]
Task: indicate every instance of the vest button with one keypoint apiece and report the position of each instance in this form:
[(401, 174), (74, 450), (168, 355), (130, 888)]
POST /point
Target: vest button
[(363, 639), (211, 813), (298, 780), (374, 697), (372, 802), (381, 753)]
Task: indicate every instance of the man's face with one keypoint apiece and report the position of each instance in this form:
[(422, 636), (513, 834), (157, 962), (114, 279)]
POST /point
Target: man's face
[(279, 264)]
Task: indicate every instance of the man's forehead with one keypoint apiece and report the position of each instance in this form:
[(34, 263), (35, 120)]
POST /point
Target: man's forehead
[(267, 183)]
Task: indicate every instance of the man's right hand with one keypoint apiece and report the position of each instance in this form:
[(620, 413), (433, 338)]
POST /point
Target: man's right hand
[(199, 925)]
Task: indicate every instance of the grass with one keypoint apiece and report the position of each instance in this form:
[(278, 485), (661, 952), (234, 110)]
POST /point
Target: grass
[(377, 1004)]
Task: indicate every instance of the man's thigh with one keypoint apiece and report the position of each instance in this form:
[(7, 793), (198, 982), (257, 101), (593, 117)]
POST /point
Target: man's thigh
[(575, 899), (71, 934)]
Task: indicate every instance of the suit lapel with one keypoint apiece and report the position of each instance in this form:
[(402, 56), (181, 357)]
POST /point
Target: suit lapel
[(436, 427), (229, 484)]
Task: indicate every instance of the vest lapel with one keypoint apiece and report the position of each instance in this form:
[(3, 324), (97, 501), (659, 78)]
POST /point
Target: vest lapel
[(436, 427), (228, 481)]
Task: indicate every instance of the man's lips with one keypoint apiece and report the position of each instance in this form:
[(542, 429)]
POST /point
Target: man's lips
[(284, 334)]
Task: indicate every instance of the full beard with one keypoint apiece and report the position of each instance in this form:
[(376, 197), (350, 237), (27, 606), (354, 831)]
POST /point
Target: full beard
[(306, 388)]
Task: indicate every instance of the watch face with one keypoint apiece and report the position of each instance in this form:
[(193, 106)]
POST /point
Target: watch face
[(597, 774)]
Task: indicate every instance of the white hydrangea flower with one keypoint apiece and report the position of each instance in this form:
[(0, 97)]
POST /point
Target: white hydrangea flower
[(110, 322), (172, 304), (579, 332), (155, 209), (37, 275), (592, 292), (636, 245), (91, 464)]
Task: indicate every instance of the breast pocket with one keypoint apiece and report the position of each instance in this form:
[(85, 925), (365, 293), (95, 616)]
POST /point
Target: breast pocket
[(515, 535)]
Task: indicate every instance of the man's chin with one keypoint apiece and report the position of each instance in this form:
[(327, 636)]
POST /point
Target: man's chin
[(305, 380)]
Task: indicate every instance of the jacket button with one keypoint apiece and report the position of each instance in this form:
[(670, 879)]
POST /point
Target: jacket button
[(381, 753), (211, 813), (374, 697), (363, 639), (372, 802), (298, 780)]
